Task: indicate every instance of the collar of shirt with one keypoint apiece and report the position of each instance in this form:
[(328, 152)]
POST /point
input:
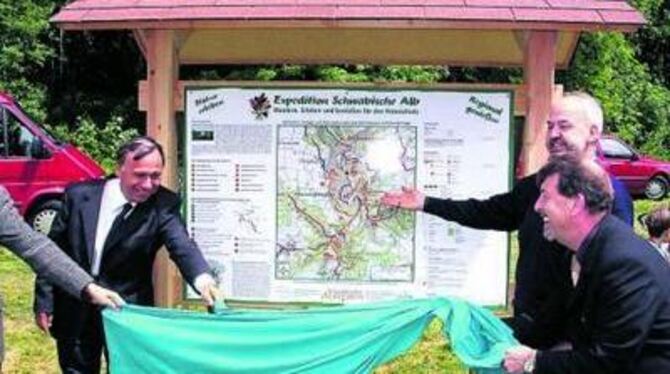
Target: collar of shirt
[(660, 250), (586, 243), (113, 197)]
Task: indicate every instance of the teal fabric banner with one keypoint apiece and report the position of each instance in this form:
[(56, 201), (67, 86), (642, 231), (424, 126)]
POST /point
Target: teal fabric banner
[(342, 339)]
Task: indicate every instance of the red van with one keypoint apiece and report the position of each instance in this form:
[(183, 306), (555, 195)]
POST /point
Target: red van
[(35, 167), (642, 175)]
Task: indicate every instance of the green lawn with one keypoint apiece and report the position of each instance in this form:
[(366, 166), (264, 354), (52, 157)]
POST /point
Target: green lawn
[(28, 351)]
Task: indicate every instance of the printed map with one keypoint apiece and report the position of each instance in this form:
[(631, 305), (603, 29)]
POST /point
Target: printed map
[(330, 225)]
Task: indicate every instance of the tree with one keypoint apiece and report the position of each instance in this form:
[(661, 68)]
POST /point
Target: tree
[(652, 42), (635, 102), (95, 75), (25, 51), (81, 77)]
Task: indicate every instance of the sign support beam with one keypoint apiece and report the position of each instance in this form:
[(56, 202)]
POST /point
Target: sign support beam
[(538, 69), (162, 76)]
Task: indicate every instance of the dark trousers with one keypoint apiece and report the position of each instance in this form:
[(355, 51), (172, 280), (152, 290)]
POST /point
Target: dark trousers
[(82, 355)]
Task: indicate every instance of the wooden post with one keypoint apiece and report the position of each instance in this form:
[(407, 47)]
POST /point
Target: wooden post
[(162, 75), (539, 56)]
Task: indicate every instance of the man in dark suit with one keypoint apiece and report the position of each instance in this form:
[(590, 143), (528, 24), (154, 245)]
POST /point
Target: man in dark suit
[(542, 279), (619, 313), (47, 260), (114, 228)]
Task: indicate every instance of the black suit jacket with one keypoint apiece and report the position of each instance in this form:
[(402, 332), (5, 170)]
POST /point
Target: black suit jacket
[(620, 311), (543, 268), (127, 260)]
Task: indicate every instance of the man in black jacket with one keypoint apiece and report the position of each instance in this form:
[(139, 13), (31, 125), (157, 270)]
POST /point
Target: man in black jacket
[(542, 273), (619, 314), (113, 228)]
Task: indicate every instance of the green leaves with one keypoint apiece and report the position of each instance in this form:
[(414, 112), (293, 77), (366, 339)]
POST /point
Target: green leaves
[(24, 51), (636, 105), (100, 143), (325, 73), (630, 76)]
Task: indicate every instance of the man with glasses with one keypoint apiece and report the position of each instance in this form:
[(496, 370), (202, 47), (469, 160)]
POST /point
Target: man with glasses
[(114, 228)]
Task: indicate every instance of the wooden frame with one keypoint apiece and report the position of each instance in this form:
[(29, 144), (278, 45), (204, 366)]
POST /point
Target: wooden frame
[(160, 95)]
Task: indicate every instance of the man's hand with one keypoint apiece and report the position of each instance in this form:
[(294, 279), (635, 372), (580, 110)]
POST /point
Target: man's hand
[(43, 321), (206, 285), (102, 296), (516, 357), (407, 198)]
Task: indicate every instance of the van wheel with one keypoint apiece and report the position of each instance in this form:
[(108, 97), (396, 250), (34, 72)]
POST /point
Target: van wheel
[(42, 217), (656, 188)]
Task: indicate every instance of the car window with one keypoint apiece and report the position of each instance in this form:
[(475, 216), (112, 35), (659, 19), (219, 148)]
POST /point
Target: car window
[(45, 129), (16, 140), (615, 149)]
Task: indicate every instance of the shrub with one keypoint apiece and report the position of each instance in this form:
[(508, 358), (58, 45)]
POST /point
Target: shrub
[(100, 142)]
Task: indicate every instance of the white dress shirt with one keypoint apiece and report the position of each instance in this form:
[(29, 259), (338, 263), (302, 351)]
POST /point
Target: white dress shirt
[(575, 270), (111, 205)]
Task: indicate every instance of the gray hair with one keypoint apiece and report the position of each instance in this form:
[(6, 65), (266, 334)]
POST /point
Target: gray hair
[(140, 147), (589, 106)]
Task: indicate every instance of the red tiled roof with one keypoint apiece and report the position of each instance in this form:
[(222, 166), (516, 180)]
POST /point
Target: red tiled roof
[(611, 14)]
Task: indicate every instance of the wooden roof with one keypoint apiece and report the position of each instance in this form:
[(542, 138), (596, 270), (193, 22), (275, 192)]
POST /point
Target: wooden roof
[(455, 32), (516, 14)]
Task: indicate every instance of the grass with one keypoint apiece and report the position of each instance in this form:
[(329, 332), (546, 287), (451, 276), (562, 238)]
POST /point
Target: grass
[(28, 351)]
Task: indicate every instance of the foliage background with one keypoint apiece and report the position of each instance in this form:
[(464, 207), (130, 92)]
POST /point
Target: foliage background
[(81, 79), (84, 87)]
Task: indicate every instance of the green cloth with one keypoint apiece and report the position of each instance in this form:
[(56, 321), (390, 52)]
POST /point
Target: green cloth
[(342, 339)]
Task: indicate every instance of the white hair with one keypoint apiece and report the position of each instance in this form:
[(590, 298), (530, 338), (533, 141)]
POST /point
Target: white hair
[(590, 107)]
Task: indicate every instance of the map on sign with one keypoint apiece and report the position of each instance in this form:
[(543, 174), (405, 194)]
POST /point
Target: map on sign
[(283, 187), (330, 225)]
